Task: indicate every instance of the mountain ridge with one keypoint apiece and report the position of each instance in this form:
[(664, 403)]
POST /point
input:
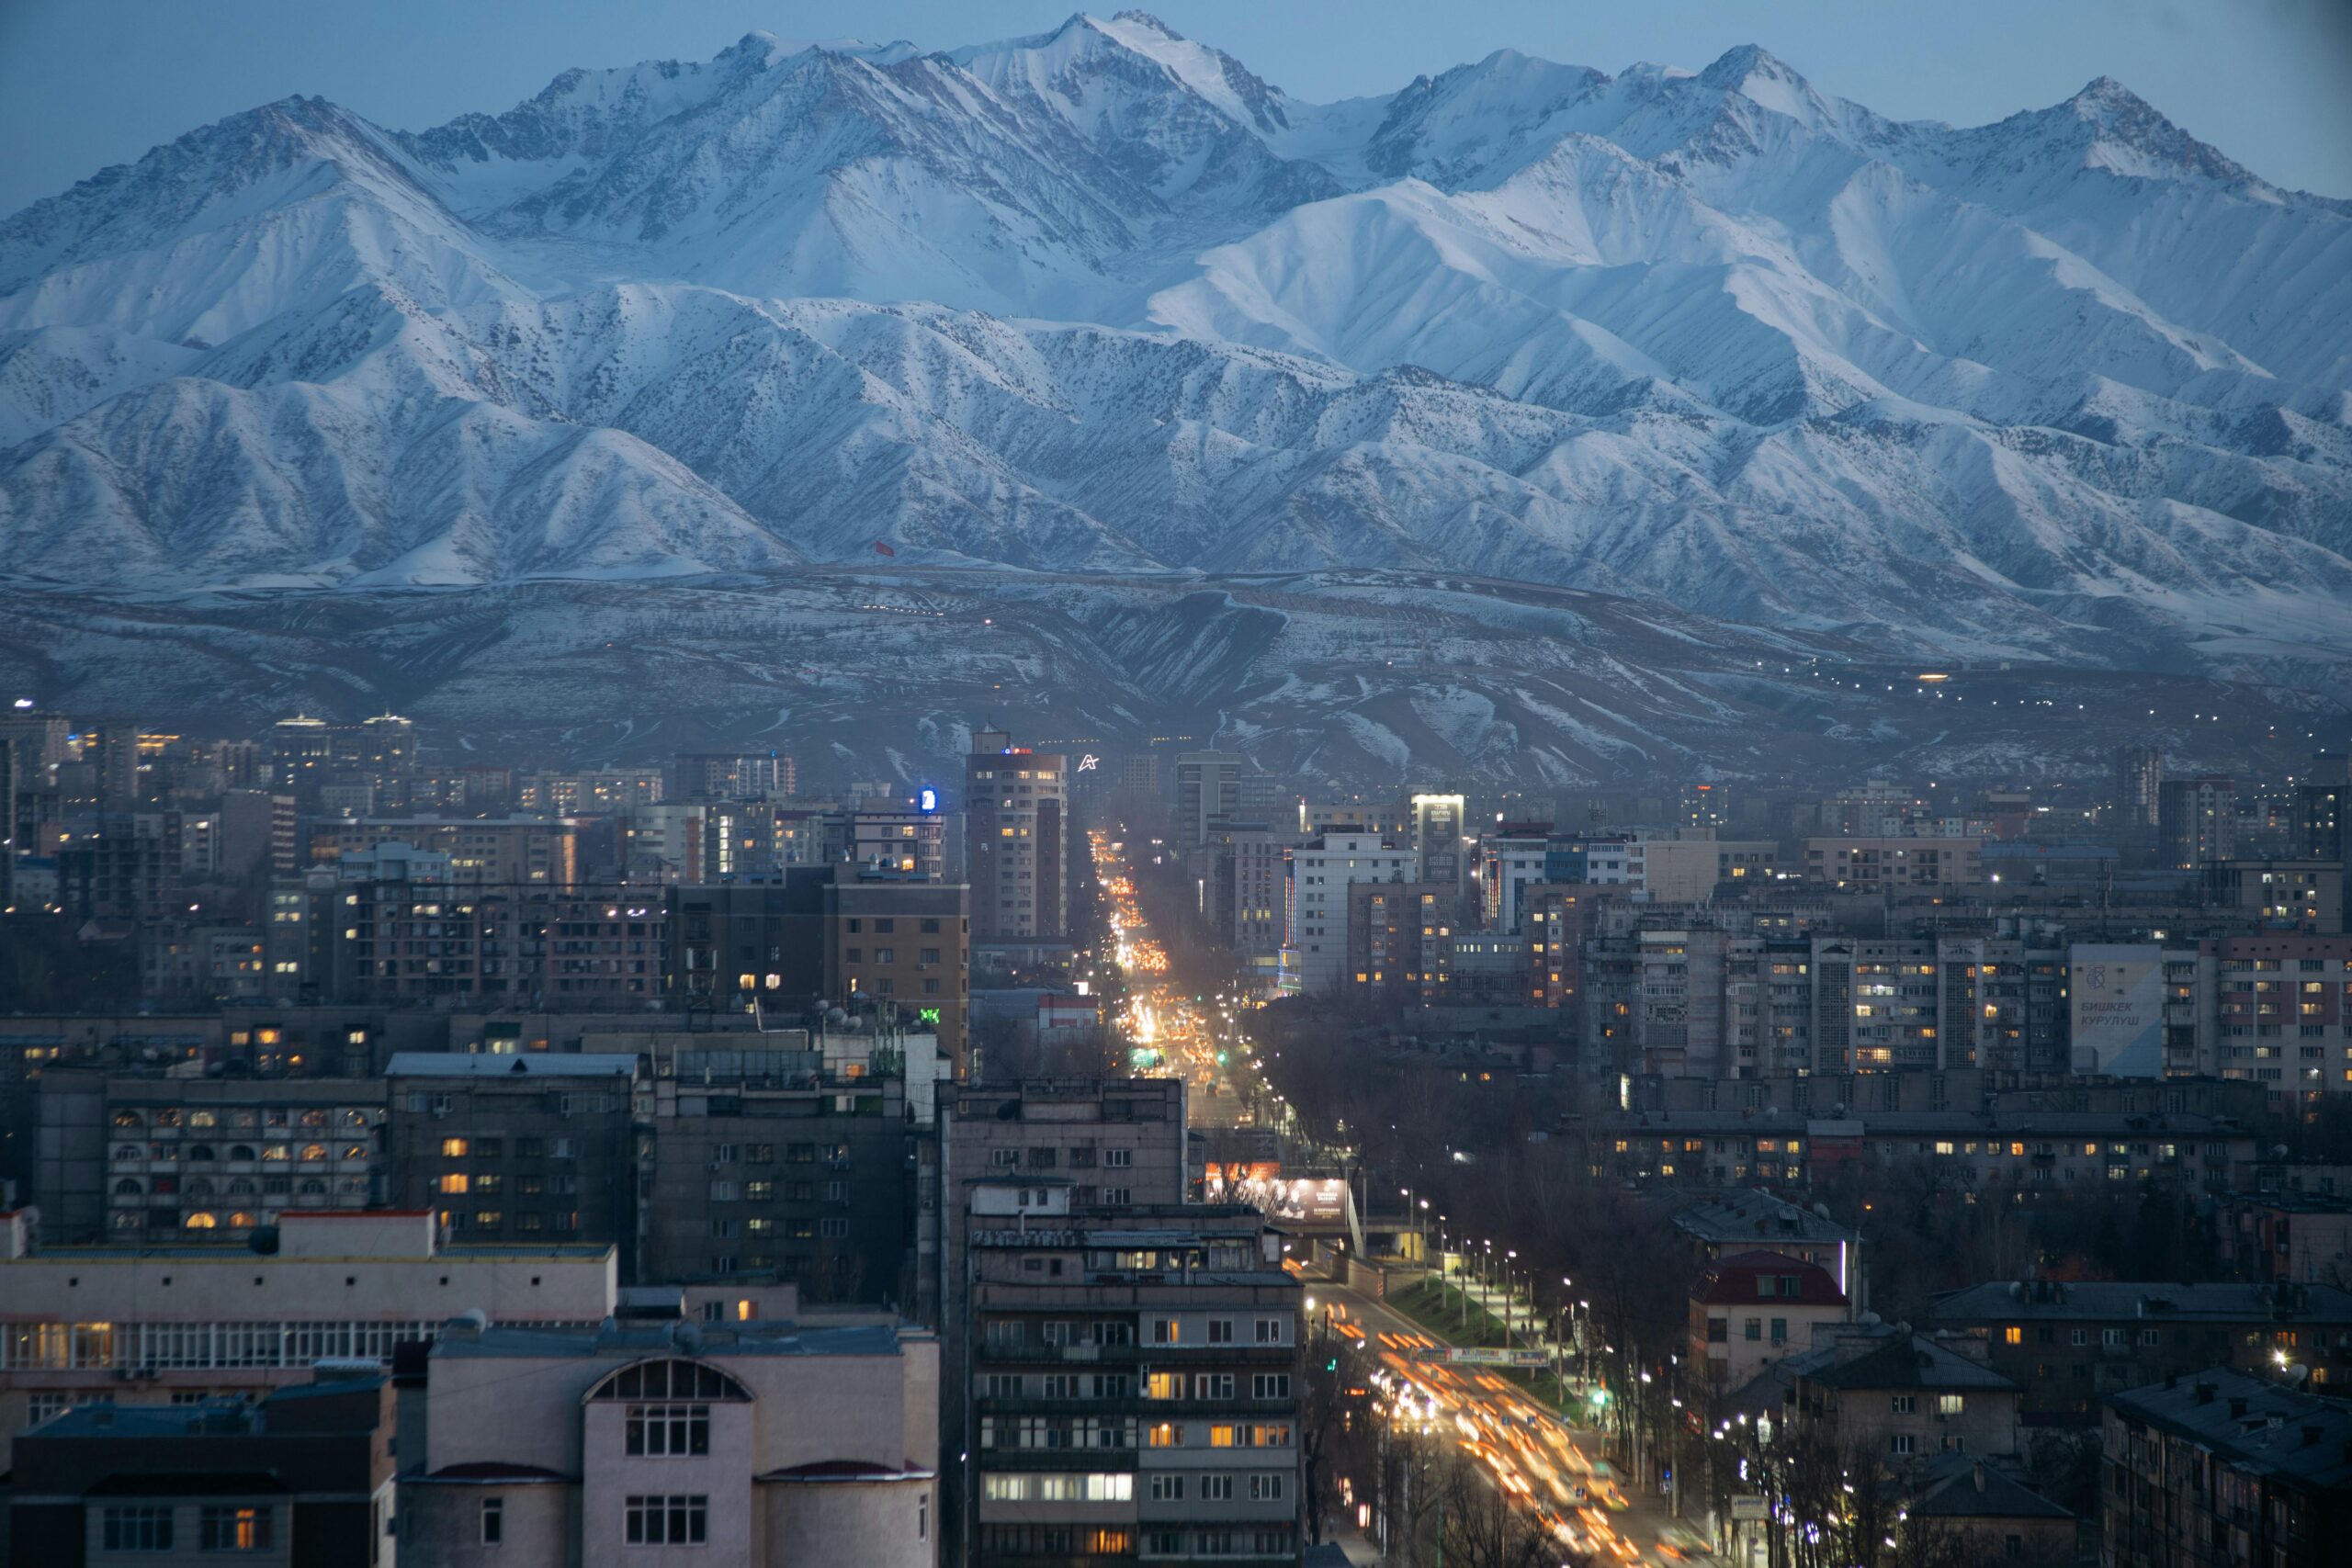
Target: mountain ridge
[(2072, 385)]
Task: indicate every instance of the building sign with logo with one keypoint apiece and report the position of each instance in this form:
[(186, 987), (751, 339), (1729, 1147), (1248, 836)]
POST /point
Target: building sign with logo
[(2116, 993)]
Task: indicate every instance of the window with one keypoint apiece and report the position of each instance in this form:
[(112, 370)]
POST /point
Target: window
[(1213, 1385), (1270, 1385), (672, 1521), (1270, 1331), (923, 1518), (1901, 1443), (494, 1521), (1166, 1331), (2013, 1335), (1718, 1330), (228, 1528), (1167, 1488), (1905, 1403), (668, 1431), (1165, 1435), (145, 1527), (1163, 1385), (1118, 1159), (1266, 1486), (1220, 1331), (1003, 1386), (1216, 1488), (1780, 1331), (1951, 1403), (453, 1148), (1754, 1328)]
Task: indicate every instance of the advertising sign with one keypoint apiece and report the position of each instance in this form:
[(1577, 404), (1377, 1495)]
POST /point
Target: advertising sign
[(2117, 996), (1749, 1509)]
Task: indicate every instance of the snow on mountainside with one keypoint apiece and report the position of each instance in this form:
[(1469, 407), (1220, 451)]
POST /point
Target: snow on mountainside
[(1102, 300)]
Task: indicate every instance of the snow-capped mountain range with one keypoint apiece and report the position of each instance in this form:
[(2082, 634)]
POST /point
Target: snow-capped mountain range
[(2072, 385)]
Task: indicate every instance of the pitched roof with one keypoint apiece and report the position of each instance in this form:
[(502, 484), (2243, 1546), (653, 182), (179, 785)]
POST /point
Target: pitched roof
[(2253, 1426), (2153, 1301), (1914, 1362), (1974, 1490), (1738, 1281), (1757, 1217)]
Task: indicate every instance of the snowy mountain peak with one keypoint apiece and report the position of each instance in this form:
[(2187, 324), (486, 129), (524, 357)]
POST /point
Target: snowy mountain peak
[(1101, 298)]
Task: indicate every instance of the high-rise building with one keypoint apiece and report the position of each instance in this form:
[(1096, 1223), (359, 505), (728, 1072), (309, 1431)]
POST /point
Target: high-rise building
[(2139, 779), (1016, 816), (1207, 787), (735, 775), (301, 754), (520, 1150), (1320, 872), (904, 944), (2197, 820), (1437, 835), (1102, 1149)]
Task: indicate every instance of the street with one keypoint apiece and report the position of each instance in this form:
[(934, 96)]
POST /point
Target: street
[(1534, 1454)]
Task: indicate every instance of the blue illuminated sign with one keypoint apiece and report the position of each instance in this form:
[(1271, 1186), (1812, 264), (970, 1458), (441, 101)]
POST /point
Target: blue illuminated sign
[(926, 799)]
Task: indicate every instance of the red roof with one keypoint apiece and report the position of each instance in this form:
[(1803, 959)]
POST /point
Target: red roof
[(1739, 1282)]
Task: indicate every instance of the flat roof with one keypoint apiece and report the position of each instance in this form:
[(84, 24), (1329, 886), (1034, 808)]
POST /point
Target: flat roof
[(534, 1064), (693, 1341)]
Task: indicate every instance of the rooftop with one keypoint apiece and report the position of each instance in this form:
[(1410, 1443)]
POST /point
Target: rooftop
[(621, 1344), (1911, 1361), (1961, 1488), (2111, 1300), (2250, 1423), (1738, 1280), (538, 1064), (1746, 1216)]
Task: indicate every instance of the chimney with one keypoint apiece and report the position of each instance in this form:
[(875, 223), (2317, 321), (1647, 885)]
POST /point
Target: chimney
[(1977, 1474), (2204, 1394), (2237, 1408)]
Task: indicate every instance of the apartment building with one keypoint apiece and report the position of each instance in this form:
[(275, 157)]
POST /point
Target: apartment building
[(1135, 1385), (2290, 895), (1435, 830), (789, 1444), (1090, 1148), (904, 944), (1248, 893), (775, 1155), (1016, 817), (1208, 791), (1510, 859), (303, 1479), (2072, 1344), (2197, 820), (519, 1150), (1320, 872), (1688, 867), (137, 1160), (1911, 1399), (1398, 936), (414, 937), (1895, 864), (539, 851), (154, 1323), (1752, 1309), (735, 775), (2220, 1466)]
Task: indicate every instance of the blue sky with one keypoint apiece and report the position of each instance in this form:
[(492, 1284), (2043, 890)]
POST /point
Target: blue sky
[(87, 82)]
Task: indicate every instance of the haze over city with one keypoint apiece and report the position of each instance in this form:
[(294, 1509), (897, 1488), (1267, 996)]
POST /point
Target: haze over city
[(932, 786)]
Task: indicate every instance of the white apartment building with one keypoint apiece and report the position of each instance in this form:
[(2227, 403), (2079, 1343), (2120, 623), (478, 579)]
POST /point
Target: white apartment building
[(175, 1324), (1320, 872), (763, 1443)]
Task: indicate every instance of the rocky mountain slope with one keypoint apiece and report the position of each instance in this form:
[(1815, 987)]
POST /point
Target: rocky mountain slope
[(2069, 387)]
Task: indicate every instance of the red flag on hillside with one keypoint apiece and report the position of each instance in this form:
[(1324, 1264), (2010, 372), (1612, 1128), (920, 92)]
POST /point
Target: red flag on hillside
[(882, 549)]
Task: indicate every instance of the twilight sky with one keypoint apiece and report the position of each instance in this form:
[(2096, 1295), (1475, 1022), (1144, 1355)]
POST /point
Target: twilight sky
[(87, 82)]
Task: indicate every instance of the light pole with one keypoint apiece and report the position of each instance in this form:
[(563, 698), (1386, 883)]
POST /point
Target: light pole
[(1507, 1255)]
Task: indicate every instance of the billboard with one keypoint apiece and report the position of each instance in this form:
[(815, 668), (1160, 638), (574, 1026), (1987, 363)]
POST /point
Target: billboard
[(2115, 995)]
